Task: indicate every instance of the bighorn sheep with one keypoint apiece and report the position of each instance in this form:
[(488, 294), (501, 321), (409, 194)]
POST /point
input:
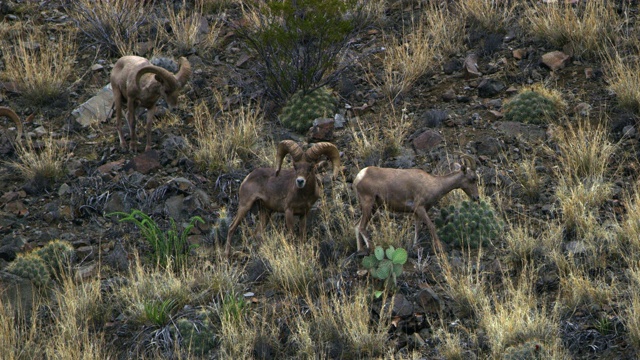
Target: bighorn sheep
[(289, 191), (5, 111), (409, 191), (136, 82)]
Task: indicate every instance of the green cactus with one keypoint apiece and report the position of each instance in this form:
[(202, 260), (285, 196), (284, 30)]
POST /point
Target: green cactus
[(58, 256), (530, 107), (31, 266), (472, 225), (530, 350), (386, 269), (301, 109), (197, 336)]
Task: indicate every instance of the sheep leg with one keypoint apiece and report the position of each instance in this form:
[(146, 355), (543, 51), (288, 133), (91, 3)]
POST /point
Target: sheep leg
[(417, 224), (421, 212), (289, 220), (303, 225), (118, 108), (361, 226), (242, 212), (150, 115), (131, 120), (264, 216)]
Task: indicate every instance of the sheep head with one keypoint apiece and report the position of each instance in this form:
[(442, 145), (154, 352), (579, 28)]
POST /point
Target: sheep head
[(170, 83), (470, 181), (304, 163)]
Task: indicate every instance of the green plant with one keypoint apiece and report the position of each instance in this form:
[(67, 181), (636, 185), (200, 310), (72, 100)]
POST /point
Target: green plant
[(168, 247), (31, 266), (58, 256), (530, 107), (529, 350), (233, 307), (472, 224), (197, 336), (385, 269), (298, 42), (159, 311), (301, 109)]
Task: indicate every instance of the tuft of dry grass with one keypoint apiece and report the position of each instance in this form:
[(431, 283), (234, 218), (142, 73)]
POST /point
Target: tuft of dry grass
[(464, 284), (587, 29), (294, 267), (20, 337), (632, 321), (624, 78), (522, 247), (488, 15), (336, 216), (43, 163), (187, 29), (112, 25), (630, 226), (225, 141), (529, 178), (577, 289), (432, 38), (40, 66), (580, 203)]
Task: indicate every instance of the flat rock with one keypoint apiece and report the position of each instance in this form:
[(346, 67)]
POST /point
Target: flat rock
[(426, 141), (555, 60), (490, 87), (145, 162), (95, 110)]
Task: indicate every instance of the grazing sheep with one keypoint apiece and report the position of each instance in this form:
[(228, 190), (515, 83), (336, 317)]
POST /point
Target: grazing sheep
[(136, 82), (289, 191), (409, 191)]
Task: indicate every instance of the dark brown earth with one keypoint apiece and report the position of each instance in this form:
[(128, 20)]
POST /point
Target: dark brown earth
[(101, 179)]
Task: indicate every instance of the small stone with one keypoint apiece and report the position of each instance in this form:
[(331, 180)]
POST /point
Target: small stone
[(519, 54), (555, 60), (471, 66), (449, 95), (490, 87), (426, 141)]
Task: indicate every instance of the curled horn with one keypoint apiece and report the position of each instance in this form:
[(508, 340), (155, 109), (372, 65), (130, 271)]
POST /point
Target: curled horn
[(184, 73), (5, 111), (328, 149), (287, 147), (167, 77), (470, 160)]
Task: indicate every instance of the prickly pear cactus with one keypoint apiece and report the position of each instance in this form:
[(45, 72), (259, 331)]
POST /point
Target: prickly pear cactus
[(530, 107), (57, 255), (197, 336), (31, 266), (471, 225), (385, 268), (301, 109), (530, 350)]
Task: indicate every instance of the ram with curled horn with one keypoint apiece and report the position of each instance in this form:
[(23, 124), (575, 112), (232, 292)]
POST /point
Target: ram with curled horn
[(409, 191), (288, 191), (138, 83)]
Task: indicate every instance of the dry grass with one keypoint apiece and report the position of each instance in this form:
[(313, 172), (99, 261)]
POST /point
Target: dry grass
[(488, 15), (186, 29), (44, 163), (418, 51), (514, 316), (521, 245), (624, 78), (294, 266), (528, 177), (464, 284), (40, 66), (579, 203), (112, 25), (20, 337), (632, 317), (225, 141), (630, 226), (586, 29), (577, 290), (337, 216)]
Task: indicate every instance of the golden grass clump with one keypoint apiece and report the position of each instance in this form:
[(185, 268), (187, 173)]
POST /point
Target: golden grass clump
[(630, 226), (587, 29), (186, 29), (624, 79), (577, 289), (435, 36), (489, 15), (294, 266), (226, 141), (632, 318), (528, 177), (43, 165), (40, 64), (336, 216)]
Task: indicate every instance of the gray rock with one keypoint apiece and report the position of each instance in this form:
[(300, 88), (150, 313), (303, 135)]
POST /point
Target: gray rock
[(401, 306), (490, 87), (426, 141), (95, 110), (488, 146), (429, 301)]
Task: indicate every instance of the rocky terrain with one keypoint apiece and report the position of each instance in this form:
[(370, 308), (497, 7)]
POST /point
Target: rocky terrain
[(457, 107)]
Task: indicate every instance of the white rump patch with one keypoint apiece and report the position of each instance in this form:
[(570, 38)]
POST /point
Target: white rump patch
[(360, 175)]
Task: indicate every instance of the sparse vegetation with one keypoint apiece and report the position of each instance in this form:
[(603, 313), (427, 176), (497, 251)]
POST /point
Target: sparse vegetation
[(559, 280)]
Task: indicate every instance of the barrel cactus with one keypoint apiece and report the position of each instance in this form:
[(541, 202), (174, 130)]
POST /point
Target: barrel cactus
[(471, 225), (530, 350), (31, 266), (301, 109), (197, 336), (57, 255), (531, 106)]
